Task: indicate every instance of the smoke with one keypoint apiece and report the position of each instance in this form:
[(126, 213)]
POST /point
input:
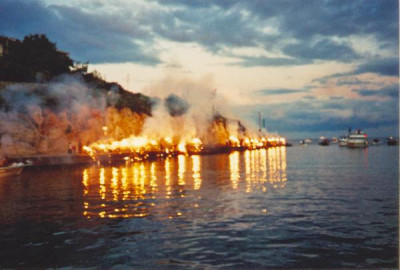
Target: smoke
[(176, 106), (192, 109), (48, 118), (67, 113)]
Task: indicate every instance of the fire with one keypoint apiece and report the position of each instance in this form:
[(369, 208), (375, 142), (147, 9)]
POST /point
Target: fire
[(143, 145), (234, 141), (83, 120), (182, 147)]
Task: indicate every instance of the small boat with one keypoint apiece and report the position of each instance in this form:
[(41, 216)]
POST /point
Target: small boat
[(334, 140), (12, 170), (357, 139), (306, 141), (392, 141), (376, 141), (343, 140), (323, 141)]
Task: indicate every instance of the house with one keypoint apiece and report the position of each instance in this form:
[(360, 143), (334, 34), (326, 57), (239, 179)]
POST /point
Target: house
[(5, 44)]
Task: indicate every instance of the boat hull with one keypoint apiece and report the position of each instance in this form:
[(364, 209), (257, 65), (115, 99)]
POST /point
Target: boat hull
[(343, 143), (10, 171), (357, 144)]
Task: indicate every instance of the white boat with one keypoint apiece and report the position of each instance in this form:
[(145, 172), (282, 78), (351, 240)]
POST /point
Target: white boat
[(357, 139), (12, 170), (343, 141), (306, 141)]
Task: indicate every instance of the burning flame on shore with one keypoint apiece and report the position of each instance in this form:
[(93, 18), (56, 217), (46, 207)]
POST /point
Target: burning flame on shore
[(83, 120), (143, 146)]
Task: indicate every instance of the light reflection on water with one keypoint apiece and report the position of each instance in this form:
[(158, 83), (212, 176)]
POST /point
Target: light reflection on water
[(298, 207), (133, 189)]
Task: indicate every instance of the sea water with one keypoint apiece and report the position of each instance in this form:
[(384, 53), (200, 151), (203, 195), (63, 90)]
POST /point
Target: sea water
[(295, 207)]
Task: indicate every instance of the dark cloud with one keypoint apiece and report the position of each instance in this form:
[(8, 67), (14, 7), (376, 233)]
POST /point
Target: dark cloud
[(381, 66), (392, 91), (247, 61), (355, 81), (306, 19), (281, 91), (322, 50), (212, 28), (309, 97), (302, 30), (88, 37), (19, 18)]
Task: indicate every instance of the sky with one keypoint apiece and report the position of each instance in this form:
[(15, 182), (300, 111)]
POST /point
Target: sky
[(310, 67)]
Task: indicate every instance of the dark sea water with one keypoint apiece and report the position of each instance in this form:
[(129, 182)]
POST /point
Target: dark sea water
[(296, 207)]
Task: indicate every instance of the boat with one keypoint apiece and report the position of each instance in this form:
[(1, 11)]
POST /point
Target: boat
[(376, 141), (334, 140), (357, 139), (392, 140), (323, 141), (343, 140), (14, 169), (306, 141)]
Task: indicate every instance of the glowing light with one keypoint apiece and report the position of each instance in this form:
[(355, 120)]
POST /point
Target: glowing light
[(196, 172), (102, 190), (234, 141), (168, 177), (234, 168), (181, 170), (85, 181), (182, 147)]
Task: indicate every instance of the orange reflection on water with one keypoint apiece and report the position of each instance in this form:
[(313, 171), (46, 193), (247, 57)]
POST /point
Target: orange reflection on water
[(196, 165), (181, 170), (167, 165), (263, 169), (277, 167), (102, 178), (133, 190), (153, 178), (85, 181), (234, 169), (124, 184), (114, 184)]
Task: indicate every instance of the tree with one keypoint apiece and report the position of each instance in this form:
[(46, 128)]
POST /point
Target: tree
[(35, 58), (42, 57)]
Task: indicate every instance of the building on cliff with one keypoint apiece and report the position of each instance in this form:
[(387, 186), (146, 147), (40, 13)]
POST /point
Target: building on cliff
[(5, 43)]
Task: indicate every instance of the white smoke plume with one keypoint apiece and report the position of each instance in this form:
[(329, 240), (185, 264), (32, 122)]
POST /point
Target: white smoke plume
[(67, 113)]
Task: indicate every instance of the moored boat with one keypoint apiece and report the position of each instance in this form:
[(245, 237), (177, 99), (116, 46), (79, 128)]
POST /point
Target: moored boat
[(376, 141), (12, 170), (357, 139), (306, 141), (324, 141), (392, 141), (343, 140)]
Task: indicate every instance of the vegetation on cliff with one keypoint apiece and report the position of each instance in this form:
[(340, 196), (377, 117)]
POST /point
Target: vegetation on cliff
[(36, 59)]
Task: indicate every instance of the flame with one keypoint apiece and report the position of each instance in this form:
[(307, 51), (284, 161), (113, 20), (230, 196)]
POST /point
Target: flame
[(142, 146), (182, 147)]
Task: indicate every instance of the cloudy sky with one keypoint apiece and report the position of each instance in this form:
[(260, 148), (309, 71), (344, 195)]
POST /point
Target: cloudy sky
[(311, 67)]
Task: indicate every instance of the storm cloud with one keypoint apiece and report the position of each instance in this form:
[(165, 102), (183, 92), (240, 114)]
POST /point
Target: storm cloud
[(339, 57), (302, 31)]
